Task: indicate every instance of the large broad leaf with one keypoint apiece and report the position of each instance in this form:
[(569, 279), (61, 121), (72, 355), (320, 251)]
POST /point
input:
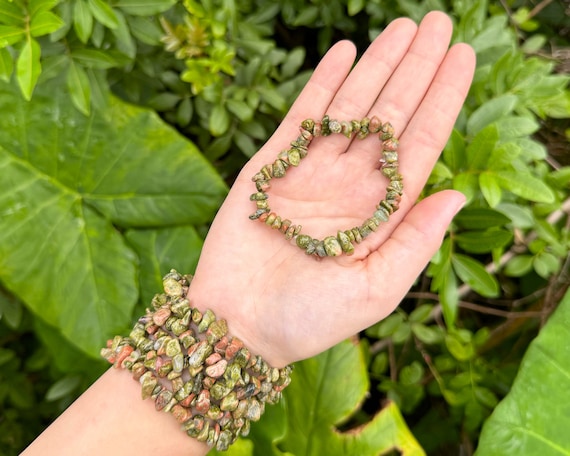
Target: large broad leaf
[(534, 418), (325, 392), (125, 163), (65, 179)]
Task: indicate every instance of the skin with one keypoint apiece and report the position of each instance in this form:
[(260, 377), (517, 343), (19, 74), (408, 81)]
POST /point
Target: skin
[(285, 305)]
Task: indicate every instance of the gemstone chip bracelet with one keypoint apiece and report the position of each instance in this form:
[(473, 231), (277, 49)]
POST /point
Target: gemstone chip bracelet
[(343, 241), (189, 366)]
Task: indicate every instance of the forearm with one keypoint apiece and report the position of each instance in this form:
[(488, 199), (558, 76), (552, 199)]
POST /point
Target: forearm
[(111, 418)]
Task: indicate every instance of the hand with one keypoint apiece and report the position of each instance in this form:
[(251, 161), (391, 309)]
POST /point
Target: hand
[(286, 305)]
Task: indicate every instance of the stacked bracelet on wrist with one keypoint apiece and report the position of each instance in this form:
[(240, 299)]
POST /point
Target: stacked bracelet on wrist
[(187, 363), (342, 242)]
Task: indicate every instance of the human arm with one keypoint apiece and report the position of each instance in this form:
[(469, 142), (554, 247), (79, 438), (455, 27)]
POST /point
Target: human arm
[(285, 305)]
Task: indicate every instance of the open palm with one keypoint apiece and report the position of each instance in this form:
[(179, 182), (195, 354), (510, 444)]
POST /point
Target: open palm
[(287, 305)]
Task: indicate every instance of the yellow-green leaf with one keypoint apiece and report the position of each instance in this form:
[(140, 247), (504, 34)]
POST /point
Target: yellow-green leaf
[(28, 67), (533, 418)]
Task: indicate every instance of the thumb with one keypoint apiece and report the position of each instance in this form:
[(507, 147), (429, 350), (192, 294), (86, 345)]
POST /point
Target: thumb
[(412, 244)]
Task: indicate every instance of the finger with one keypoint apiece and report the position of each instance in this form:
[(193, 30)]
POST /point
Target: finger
[(430, 127), (413, 77), (398, 262), (410, 81), (361, 88)]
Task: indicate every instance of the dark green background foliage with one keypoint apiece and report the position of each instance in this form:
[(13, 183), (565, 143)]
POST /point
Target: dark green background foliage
[(124, 122)]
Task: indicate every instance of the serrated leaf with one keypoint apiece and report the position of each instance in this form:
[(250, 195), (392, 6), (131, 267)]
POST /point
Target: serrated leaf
[(104, 13), (28, 67), (490, 112), (525, 185), (6, 65), (483, 241), (79, 88), (480, 218), (327, 390), (532, 418), (82, 20), (145, 7), (473, 273), (45, 22), (490, 188)]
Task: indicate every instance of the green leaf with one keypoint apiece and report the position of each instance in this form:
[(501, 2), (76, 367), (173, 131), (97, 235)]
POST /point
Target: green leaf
[(10, 34), (473, 273), (81, 291), (480, 218), (421, 313), (145, 30), (519, 265), (480, 148), (449, 297), (454, 152), (240, 109), (94, 58), (11, 309), (28, 67), (325, 391), (355, 6), (82, 20), (6, 65), (483, 241), (79, 88), (427, 334), (490, 188), (490, 112), (125, 42), (63, 387), (525, 185), (45, 22), (533, 418), (145, 7), (219, 121), (68, 182), (159, 251), (516, 127), (104, 13), (293, 62), (460, 349), (12, 13), (466, 183)]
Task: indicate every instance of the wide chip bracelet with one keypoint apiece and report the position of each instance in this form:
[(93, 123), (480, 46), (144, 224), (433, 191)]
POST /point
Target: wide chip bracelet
[(187, 363)]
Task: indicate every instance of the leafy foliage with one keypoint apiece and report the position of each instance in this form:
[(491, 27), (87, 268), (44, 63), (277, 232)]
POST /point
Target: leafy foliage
[(518, 424)]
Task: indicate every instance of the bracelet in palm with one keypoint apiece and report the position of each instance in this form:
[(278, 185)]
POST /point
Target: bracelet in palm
[(343, 241)]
